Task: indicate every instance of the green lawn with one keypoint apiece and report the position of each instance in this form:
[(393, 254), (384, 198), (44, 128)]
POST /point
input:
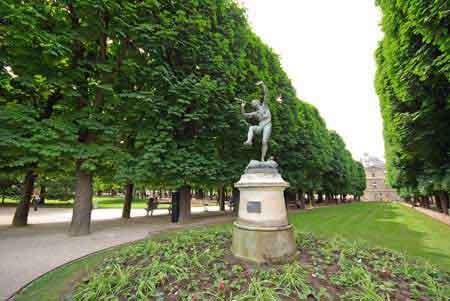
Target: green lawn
[(389, 225), (117, 202), (12, 202)]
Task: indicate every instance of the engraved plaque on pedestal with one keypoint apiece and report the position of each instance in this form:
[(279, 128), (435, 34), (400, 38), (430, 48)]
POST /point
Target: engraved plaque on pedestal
[(254, 207)]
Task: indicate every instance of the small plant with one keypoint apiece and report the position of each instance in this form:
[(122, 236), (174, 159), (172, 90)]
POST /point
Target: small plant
[(292, 280), (437, 291), (197, 265), (260, 290)]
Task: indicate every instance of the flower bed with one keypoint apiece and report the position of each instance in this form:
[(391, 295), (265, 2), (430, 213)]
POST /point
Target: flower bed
[(198, 265)]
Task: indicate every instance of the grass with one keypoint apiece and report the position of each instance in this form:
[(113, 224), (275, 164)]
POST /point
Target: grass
[(117, 202), (12, 202), (198, 265), (389, 225), (352, 244)]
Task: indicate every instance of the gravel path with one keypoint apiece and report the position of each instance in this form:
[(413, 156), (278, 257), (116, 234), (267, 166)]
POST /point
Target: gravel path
[(61, 215), (29, 252)]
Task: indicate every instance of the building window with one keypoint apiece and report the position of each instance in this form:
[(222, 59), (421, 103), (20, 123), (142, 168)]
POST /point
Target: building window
[(373, 175)]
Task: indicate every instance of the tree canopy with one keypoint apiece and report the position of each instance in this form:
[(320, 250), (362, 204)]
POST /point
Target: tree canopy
[(413, 80), (143, 92)]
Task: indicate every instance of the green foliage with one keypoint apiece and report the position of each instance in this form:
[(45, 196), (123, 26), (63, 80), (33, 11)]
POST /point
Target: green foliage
[(59, 188), (413, 79), (315, 159), (9, 187), (144, 93)]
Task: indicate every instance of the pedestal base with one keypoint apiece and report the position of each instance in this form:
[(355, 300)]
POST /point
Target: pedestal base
[(263, 244)]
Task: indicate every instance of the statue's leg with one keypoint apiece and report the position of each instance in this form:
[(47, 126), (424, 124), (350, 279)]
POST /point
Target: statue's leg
[(251, 132), (265, 140)]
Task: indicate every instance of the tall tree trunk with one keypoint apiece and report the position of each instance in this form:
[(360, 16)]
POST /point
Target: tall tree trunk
[(221, 196), (301, 199), (82, 207), (185, 204), (235, 196), (319, 197), (21, 215), (175, 207), (290, 197), (437, 199), (444, 202), (422, 201), (126, 212), (311, 199), (43, 194)]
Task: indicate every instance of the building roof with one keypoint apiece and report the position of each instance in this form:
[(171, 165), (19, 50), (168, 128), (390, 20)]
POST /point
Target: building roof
[(372, 161)]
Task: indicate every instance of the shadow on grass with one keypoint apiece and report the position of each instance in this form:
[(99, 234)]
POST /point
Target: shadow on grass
[(385, 225)]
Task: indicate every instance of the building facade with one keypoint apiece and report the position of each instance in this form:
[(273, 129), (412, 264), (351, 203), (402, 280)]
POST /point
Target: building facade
[(376, 187)]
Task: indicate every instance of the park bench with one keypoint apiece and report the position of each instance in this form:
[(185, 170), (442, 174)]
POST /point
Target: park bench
[(155, 204)]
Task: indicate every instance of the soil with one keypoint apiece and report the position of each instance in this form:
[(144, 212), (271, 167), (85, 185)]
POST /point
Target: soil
[(228, 276)]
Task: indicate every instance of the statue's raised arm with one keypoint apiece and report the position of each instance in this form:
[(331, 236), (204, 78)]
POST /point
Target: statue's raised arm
[(265, 92), (248, 115)]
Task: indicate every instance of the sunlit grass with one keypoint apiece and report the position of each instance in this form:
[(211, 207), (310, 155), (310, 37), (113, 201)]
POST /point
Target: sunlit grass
[(389, 225)]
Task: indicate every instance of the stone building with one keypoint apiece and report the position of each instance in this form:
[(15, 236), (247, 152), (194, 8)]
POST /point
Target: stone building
[(376, 187)]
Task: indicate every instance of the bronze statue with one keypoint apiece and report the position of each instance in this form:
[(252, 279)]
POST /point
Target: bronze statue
[(264, 117)]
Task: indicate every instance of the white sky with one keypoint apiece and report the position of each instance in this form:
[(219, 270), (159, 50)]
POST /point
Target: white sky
[(327, 47)]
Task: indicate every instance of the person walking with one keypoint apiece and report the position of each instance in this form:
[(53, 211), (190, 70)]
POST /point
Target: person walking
[(36, 199), (150, 205), (205, 204)]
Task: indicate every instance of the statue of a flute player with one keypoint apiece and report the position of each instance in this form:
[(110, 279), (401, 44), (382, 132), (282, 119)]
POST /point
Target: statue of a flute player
[(264, 117)]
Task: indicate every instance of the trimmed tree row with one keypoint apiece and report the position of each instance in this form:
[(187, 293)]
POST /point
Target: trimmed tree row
[(413, 81), (136, 93)]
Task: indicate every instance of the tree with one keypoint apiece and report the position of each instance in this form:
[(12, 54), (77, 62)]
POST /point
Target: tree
[(80, 54), (412, 83), (32, 138), (143, 93)]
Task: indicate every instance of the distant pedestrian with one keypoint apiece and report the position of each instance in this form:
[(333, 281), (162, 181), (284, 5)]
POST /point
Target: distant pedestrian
[(205, 204), (35, 200), (150, 205)]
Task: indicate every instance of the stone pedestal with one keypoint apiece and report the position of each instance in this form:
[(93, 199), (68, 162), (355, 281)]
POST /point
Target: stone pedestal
[(262, 232)]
